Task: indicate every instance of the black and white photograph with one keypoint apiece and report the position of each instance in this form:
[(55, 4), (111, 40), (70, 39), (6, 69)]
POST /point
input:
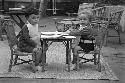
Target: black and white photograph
[(62, 41)]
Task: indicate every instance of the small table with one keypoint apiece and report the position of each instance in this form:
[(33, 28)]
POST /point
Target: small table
[(67, 41)]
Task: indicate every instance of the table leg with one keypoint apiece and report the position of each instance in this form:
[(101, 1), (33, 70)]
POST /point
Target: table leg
[(105, 38), (77, 63), (1, 33), (44, 56), (1, 30), (69, 46)]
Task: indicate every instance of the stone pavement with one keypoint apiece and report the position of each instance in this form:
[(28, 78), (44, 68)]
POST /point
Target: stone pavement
[(114, 54)]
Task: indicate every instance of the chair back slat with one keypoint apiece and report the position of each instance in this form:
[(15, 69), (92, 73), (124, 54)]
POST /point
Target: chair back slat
[(11, 36), (98, 13), (19, 19)]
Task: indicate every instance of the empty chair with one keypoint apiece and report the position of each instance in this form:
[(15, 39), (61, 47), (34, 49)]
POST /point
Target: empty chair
[(113, 24)]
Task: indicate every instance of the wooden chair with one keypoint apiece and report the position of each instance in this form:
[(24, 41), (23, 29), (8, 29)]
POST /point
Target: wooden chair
[(113, 24), (15, 51), (93, 47)]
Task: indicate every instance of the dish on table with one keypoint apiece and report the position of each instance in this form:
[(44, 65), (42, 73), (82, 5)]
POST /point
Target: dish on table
[(53, 33), (50, 36), (69, 36)]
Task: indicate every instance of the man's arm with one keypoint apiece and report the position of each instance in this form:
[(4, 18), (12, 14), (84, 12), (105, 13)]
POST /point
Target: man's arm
[(26, 36), (76, 32)]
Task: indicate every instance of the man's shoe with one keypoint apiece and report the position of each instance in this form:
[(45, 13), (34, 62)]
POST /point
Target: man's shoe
[(33, 68), (72, 67), (39, 68)]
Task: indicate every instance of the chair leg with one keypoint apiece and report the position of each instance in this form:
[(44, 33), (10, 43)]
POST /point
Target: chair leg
[(106, 38), (99, 64), (1, 38), (99, 67), (33, 67), (11, 63), (10, 66), (77, 63), (119, 36), (33, 64), (15, 62), (95, 61)]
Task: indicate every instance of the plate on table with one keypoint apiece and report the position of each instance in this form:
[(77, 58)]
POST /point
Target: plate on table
[(50, 36), (64, 34), (69, 36), (51, 33)]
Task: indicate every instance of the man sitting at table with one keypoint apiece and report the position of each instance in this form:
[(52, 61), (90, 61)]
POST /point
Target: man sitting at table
[(84, 30), (29, 38)]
